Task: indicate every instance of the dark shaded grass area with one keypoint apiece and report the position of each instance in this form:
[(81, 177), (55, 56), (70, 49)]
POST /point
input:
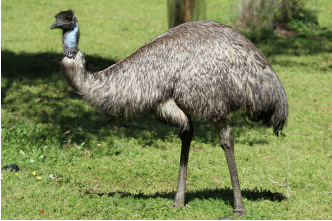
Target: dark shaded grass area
[(40, 68), (271, 44)]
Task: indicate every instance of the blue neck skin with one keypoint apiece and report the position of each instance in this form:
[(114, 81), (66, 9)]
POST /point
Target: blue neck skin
[(70, 41)]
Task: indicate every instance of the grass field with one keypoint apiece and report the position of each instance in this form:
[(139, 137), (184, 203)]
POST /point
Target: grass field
[(128, 169)]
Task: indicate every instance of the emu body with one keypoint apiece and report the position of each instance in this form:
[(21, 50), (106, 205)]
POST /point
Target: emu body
[(203, 69)]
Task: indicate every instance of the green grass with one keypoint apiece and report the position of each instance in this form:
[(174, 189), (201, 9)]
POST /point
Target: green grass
[(128, 169)]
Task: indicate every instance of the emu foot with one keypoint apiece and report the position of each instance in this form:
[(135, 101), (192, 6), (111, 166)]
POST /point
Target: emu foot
[(235, 213)]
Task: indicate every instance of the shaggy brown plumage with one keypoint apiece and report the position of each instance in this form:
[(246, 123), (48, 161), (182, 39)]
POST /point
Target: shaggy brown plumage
[(206, 68)]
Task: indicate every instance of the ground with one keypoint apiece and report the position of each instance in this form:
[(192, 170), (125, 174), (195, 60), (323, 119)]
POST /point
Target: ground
[(79, 164)]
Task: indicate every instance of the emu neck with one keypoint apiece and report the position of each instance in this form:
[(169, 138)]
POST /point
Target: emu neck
[(70, 40)]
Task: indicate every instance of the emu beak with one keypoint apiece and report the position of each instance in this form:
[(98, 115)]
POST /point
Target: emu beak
[(55, 25)]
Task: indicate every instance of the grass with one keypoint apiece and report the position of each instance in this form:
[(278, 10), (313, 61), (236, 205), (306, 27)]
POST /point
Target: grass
[(128, 169)]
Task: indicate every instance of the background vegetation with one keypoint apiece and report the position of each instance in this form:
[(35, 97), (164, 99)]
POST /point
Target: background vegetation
[(78, 164), (256, 14), (298, 15)]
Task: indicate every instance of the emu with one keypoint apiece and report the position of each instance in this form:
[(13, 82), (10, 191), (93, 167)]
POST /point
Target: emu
[(203, 69)]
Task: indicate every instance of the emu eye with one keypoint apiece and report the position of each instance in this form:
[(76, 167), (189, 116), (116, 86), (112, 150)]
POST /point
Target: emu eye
[(68, 20)]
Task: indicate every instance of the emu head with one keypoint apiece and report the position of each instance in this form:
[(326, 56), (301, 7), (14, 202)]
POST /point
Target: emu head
[(65, 20)]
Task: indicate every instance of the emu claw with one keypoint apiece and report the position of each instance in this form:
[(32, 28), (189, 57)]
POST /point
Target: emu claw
[(235, 213)]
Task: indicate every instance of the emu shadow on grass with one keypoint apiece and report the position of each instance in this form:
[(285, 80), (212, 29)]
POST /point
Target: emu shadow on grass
[(224, 194)]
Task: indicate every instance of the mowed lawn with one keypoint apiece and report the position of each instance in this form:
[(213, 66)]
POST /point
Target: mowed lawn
[(79, 164)]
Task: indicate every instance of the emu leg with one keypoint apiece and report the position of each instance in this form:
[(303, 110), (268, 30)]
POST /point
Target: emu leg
[(186, 138), (227, 144)]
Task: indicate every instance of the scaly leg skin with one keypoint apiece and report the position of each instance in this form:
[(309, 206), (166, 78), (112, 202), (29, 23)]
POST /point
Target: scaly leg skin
[(186, 138), (227, 144)]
